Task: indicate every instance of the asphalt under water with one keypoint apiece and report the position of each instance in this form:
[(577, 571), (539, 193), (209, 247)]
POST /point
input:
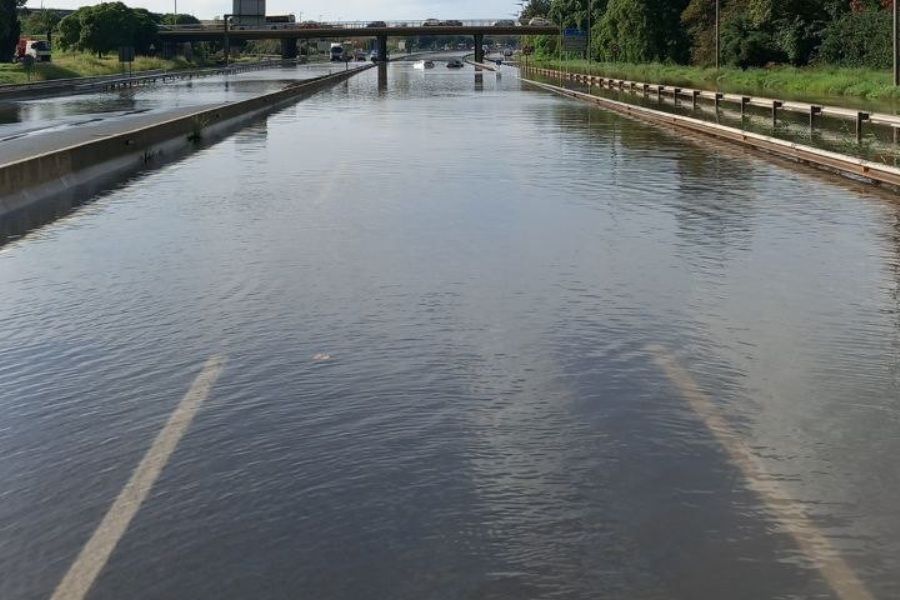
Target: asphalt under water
[(469, 330)]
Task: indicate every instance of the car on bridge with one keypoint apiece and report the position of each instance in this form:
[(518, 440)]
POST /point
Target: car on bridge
[(504, 23), (452, 23), (539, 22), (376, 24), (432, 23)]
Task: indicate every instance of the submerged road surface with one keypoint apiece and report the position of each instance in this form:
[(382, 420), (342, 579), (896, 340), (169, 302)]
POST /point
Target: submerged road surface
[(455, 338)]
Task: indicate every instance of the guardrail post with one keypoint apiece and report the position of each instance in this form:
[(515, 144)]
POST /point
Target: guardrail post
[(675, 92), (631, 87), (621, 85), (646, 87), (744, 102), (814, 111), (718, 101), (659, 90), (776, 104), (861, 118)]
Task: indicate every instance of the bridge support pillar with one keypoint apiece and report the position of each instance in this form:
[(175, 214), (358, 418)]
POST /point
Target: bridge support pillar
[(381, 48), (169, 49), (289, 49), (479, 47)]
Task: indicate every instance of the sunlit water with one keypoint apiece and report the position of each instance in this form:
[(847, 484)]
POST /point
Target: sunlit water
[(437, 302), (22, 118)]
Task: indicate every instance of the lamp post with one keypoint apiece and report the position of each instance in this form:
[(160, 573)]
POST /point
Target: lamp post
[(896, 42), (590, 14), (717, 35), (225, 49)]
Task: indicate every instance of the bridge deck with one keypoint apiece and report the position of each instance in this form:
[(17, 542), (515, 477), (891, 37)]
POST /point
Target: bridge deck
[(281, 32)]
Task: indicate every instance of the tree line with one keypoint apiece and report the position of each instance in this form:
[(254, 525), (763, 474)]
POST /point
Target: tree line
[(753, 33), (99, 28)]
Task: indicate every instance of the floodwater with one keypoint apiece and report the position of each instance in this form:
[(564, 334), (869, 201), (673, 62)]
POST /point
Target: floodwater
[(478, 341), (45, 116)]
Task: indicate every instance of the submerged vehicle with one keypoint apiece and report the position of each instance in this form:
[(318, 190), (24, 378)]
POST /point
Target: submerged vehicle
[(424, 64), (455, 64)]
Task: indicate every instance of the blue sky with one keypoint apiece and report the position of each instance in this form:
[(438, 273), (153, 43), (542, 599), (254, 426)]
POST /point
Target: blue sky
[(331, 9)]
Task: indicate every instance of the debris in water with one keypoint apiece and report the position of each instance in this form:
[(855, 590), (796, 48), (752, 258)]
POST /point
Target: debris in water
[(321, 357)]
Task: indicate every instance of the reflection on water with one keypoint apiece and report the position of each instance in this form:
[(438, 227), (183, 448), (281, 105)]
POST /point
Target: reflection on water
[(46, 115), (486, 271)]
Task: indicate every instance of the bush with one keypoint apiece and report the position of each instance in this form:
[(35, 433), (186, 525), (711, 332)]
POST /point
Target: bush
[(745, 46), (860, 39)]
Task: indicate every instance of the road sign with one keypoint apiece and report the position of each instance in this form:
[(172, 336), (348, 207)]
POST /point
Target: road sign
[(126, 54), (574, 40)]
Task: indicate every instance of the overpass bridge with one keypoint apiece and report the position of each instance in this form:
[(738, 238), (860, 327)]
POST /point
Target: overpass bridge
[(289, 33)]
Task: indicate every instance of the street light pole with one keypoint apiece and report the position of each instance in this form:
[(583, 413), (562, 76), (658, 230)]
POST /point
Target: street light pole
[(590, 13), (896, 42), (717, 35)]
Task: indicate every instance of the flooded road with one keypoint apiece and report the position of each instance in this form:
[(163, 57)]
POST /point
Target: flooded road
[(454, 337), (24, 118)]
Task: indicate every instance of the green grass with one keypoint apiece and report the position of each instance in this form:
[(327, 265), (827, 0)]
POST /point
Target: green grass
[(67, 65), (809, 83)]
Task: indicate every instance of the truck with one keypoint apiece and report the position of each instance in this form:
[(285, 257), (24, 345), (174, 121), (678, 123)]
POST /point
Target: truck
[(337, 52), (39, 50)]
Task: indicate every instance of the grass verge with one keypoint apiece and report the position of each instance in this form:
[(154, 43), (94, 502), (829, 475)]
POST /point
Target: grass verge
[(66, 65), (809, 83)]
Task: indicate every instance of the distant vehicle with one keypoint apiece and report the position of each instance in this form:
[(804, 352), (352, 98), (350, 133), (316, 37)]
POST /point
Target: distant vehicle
[(452, 23), (508, 53), (280, 19), (431, 23), (424, 64), (505, 23), (337, 52), (359, 56), (540, 22), (374, 24), (39, 50), (310, 25), (455, 64)]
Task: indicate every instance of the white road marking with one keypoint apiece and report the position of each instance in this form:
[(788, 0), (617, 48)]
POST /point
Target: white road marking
[(95, 554), (839, 576)]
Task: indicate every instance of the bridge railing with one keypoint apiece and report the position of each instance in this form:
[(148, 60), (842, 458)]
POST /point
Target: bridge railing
[(220, 26)]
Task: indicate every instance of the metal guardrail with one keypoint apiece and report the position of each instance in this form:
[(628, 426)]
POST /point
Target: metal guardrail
[(78, 84), (842, 164), (693, 95)]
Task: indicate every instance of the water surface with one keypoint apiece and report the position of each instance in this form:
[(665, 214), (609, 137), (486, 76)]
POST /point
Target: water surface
[(490, 270)]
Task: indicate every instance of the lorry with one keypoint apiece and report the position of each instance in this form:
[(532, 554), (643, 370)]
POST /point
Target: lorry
[(38, 50), (337, 52)]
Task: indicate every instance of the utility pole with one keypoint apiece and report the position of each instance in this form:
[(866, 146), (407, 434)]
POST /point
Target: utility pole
[(896, 42), (717, 35), (590, 14)]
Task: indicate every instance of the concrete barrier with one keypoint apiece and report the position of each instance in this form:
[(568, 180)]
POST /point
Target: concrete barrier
[(51, 183)]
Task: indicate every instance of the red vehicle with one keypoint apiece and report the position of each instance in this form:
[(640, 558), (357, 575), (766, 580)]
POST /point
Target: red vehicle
[(39, 50)]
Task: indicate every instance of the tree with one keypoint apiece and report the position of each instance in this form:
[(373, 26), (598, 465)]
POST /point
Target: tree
[(642, 31), (10, 28), (534, 8), (179, 19), (105, 27)]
